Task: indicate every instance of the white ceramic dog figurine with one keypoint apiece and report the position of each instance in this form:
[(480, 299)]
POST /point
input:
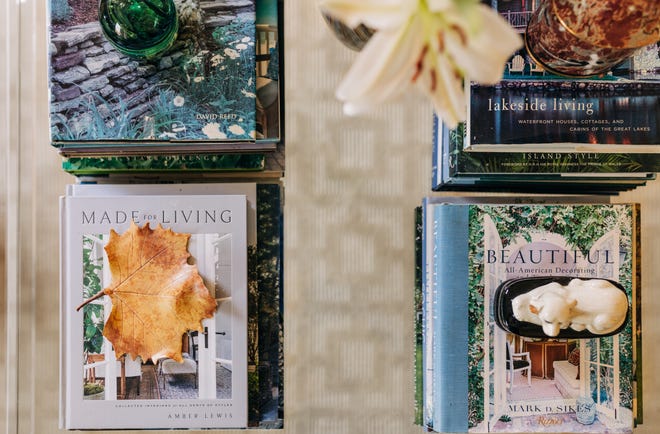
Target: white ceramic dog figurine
[(594, 304)]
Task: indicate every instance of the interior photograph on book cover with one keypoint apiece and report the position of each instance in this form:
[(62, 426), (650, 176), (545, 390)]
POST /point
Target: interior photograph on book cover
[(155, 312), (202, 366), (518, 383), (532, 107)]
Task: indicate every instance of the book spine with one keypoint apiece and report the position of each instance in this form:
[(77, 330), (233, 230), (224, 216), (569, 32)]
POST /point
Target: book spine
[(427, 324), (436, 161), (163, 163), (638, 407), (63, 303), (269, 304), (542, 162), (450, 317), (419, 324)]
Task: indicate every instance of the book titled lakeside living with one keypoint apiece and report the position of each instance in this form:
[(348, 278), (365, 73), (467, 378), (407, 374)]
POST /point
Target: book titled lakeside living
[(536, 111), (565, 115), (264, 295), (479, 376)]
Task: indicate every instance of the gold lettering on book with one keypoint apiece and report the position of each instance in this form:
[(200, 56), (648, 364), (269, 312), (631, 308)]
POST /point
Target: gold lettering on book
[(548, 421)]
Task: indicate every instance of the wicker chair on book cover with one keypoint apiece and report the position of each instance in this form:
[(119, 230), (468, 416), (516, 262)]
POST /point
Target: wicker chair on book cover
[(517, 362)]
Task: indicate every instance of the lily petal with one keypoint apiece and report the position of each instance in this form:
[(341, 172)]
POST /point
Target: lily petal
[(481, 59), (384, 67), (448, 96), (381, 15), (436, 44)]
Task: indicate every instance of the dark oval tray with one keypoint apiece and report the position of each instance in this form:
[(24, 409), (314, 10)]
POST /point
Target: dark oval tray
[(510, 289)]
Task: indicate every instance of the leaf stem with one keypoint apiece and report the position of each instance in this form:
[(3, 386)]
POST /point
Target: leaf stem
[(89, 300)]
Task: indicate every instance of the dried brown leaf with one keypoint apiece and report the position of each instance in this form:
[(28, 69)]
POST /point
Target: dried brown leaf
[(156, 295)]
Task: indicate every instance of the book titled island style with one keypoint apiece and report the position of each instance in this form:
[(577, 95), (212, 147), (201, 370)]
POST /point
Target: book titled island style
[(538, 171)]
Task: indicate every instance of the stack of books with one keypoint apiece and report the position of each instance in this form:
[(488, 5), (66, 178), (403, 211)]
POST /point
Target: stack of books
[(528, 308), (171, 240), (231, 373), (528, 315), (210, 103), (539, 132)]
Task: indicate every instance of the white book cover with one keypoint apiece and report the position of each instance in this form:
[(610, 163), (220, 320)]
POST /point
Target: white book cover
[(208, 389), (249, 189)]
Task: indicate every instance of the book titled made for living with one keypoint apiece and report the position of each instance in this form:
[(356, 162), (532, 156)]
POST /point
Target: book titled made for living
[(105, 390), (480, 377), (264, 262)]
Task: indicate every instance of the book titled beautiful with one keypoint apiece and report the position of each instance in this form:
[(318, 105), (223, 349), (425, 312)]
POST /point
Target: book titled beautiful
[(530, 317)]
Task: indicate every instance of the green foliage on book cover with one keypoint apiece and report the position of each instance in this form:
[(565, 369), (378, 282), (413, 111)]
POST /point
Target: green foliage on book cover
[(265, 350), (206, 93), (520, 162), (162, 163), (93, 320)]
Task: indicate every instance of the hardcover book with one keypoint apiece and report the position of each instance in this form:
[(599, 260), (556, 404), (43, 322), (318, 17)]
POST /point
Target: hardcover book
[(536, 111), (260, 390), (160, 164), (419, 321), (513, 338), (455, 168), (196, 95), (269, 70)]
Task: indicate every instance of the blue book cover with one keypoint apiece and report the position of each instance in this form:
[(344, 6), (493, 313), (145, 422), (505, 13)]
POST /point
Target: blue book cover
[(491, 377)]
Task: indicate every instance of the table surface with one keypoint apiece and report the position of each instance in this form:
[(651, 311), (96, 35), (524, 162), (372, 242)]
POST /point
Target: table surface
[(351, 186)]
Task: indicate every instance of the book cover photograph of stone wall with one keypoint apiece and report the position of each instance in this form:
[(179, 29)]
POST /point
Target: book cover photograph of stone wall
[(200, 88)]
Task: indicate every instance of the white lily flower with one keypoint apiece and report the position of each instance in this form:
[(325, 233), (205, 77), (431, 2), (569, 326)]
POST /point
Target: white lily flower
[(435, 44)]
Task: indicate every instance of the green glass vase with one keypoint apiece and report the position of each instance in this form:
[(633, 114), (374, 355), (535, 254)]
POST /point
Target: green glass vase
[(139, 28)]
